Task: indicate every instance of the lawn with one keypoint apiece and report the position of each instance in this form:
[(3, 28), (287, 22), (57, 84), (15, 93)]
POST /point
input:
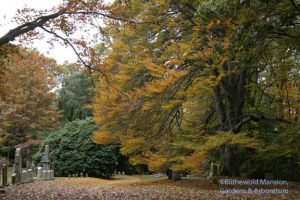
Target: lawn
[(132, 187)]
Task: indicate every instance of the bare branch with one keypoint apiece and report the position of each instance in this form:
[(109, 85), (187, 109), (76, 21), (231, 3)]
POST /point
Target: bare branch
[(69, 43)]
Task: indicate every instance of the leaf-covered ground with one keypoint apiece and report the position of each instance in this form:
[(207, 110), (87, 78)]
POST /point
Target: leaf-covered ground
[(131, 188)]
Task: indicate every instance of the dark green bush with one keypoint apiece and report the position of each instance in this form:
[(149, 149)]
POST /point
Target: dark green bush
[(72, 151)]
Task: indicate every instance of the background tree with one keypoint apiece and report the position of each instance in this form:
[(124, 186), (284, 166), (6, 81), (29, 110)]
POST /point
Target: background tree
[(75, 95), (73, 151), (28, 103)]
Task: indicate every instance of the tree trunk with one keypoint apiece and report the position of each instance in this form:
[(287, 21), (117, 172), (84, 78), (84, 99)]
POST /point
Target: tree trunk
[(176, 176), (169, 174), (229, 97), (229, 166)]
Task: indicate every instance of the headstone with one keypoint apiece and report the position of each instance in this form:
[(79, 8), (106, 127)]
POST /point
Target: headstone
[(44, 174), (33, 166), (46, 162), (73, 175), (4, 175), (24, 176), (51, 174), (39, 172), (17, 167), (81, 174), (212, 174), (86, 175), (69, 175), (48, 174), (14, 175), (29, 175), (28, 166)]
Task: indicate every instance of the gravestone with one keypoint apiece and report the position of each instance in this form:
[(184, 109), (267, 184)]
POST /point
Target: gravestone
[(212, 173), (44, 173), (28, 165), (46, 162), (24, 176), (48, 174), (39, 172), (17, 169), (4, 175), (13, 176), (33, 166), (29, 175), (51, 174)]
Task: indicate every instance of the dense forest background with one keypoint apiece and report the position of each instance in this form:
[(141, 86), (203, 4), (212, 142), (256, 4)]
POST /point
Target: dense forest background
[(173, 85)]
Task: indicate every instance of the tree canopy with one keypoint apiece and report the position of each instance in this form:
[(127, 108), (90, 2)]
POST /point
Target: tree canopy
[(75, 95), (192, 78), (27, 101), (73, 151)]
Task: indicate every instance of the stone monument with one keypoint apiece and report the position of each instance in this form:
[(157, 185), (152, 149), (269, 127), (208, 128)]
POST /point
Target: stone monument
[(17, 167), (212, 174), (44, 173)]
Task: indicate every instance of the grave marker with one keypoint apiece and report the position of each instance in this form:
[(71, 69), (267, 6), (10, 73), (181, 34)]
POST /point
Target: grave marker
[(212, 173)]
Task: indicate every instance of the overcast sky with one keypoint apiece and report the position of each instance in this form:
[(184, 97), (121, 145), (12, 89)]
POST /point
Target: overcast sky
[(8, 11)]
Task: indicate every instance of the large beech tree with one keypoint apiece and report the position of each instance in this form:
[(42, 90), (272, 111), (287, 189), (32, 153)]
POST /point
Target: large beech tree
[(200, 78)]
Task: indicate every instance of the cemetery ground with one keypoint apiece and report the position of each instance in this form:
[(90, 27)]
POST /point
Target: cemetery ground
[(132, 187)]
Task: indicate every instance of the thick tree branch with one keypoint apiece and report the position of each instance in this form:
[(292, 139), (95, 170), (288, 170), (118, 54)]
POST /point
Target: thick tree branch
[(256, 118), (295, 6), (40, 21), (282, 33), (29, 26)]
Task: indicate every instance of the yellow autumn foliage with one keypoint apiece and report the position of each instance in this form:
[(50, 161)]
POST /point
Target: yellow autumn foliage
[(104, 137), (132, 145), (158, 162)]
